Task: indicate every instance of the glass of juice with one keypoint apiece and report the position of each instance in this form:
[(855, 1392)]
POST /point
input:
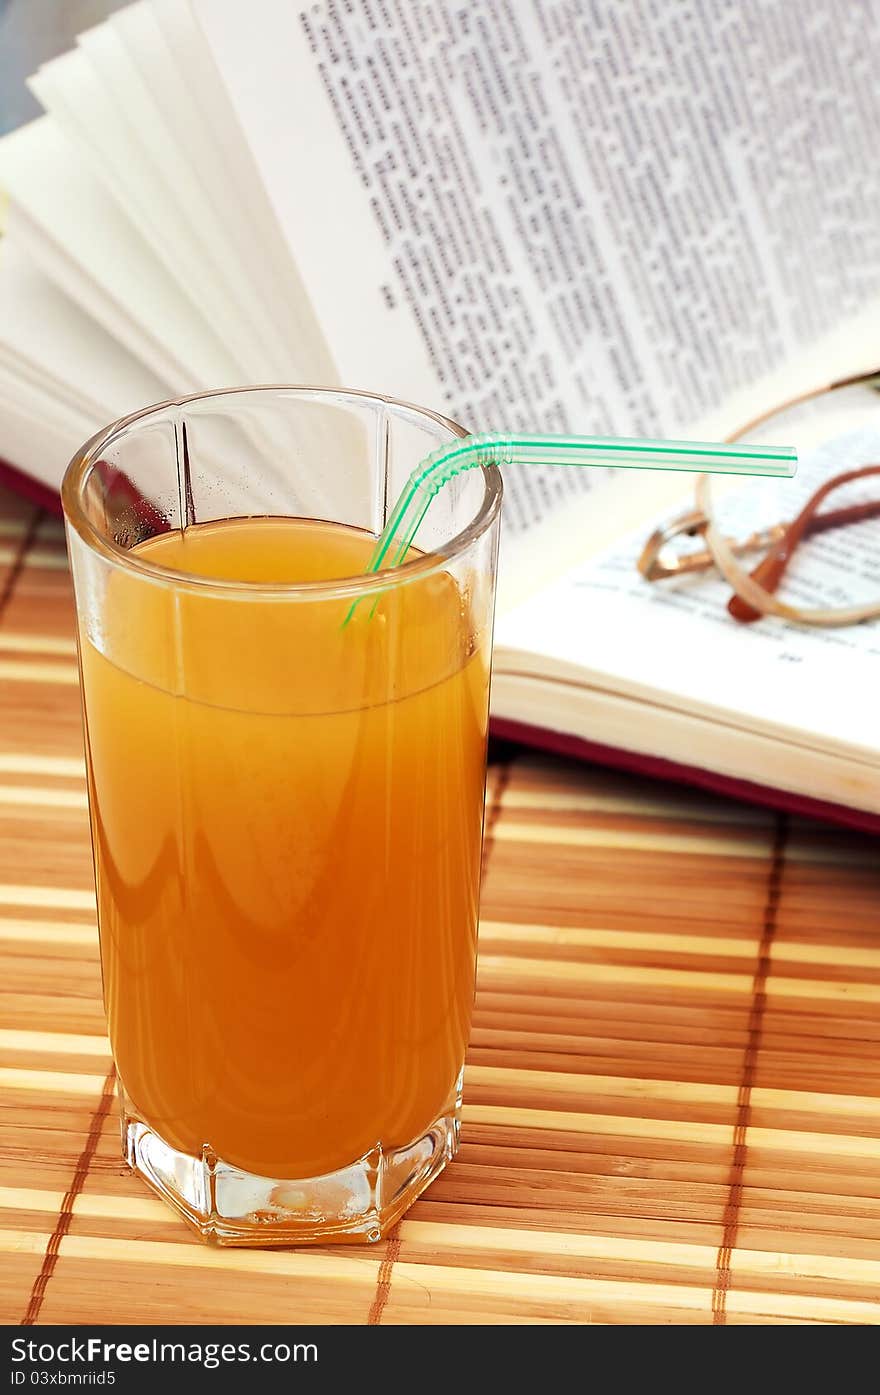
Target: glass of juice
[(286, 770)]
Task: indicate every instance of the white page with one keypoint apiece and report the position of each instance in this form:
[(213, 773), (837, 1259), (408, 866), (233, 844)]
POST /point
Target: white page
[(71, 278), (100, 120), (167, 47), (50, 334), (66, 379), (58, 368), (158, 138), (610, 219), (305, 169), (99, 256), (62, 378), (673, 642), (36, 436)]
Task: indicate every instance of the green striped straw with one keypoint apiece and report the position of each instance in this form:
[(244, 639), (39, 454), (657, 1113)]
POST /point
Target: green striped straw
[(470, 452)]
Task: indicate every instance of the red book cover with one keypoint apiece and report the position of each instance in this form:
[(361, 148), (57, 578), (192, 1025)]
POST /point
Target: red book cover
[(28, 488), (576, 748)]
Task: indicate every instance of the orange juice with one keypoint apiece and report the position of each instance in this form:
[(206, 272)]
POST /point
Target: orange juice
[(286, 818)]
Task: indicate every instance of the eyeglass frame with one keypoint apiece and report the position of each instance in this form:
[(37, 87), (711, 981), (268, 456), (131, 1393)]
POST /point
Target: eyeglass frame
[(722, 552)]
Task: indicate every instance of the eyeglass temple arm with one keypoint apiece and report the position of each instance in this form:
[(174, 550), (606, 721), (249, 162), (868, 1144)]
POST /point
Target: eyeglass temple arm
[(771, 569)]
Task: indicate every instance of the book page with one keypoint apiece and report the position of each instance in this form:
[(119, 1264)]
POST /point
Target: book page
[(87, 241), (673, 641), (90, 115), (166, 44), (36, 433), (609, 218), (56, 389), (77, 363)]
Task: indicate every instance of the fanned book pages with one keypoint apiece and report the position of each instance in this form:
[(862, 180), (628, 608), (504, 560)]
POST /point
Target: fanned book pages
[(604, 218)]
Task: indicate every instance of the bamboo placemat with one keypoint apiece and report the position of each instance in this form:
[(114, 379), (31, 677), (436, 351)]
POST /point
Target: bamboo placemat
[(673, 1092)]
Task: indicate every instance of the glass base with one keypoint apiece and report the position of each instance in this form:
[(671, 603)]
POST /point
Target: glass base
[(358, 1204)]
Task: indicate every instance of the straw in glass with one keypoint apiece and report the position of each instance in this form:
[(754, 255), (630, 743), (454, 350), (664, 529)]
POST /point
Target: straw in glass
[(470, 452)]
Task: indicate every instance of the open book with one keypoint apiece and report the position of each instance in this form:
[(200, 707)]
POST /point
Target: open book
[(626, 219)]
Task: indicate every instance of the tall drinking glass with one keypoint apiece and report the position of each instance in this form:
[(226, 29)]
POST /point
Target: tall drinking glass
[(286, 808)]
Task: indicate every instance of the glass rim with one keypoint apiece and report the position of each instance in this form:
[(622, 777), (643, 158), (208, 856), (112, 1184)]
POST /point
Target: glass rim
[(346, 587)]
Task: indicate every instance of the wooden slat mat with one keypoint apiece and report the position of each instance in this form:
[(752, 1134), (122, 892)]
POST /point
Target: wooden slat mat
[(673, 1092)]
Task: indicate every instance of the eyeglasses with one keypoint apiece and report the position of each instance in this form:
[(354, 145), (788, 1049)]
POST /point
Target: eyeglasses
[(838, 425)]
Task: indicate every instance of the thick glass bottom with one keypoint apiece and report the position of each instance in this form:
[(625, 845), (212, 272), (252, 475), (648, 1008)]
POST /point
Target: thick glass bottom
[(356, 1204)]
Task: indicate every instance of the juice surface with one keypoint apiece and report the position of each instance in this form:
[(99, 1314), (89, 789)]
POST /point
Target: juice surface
[(286, 816)]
